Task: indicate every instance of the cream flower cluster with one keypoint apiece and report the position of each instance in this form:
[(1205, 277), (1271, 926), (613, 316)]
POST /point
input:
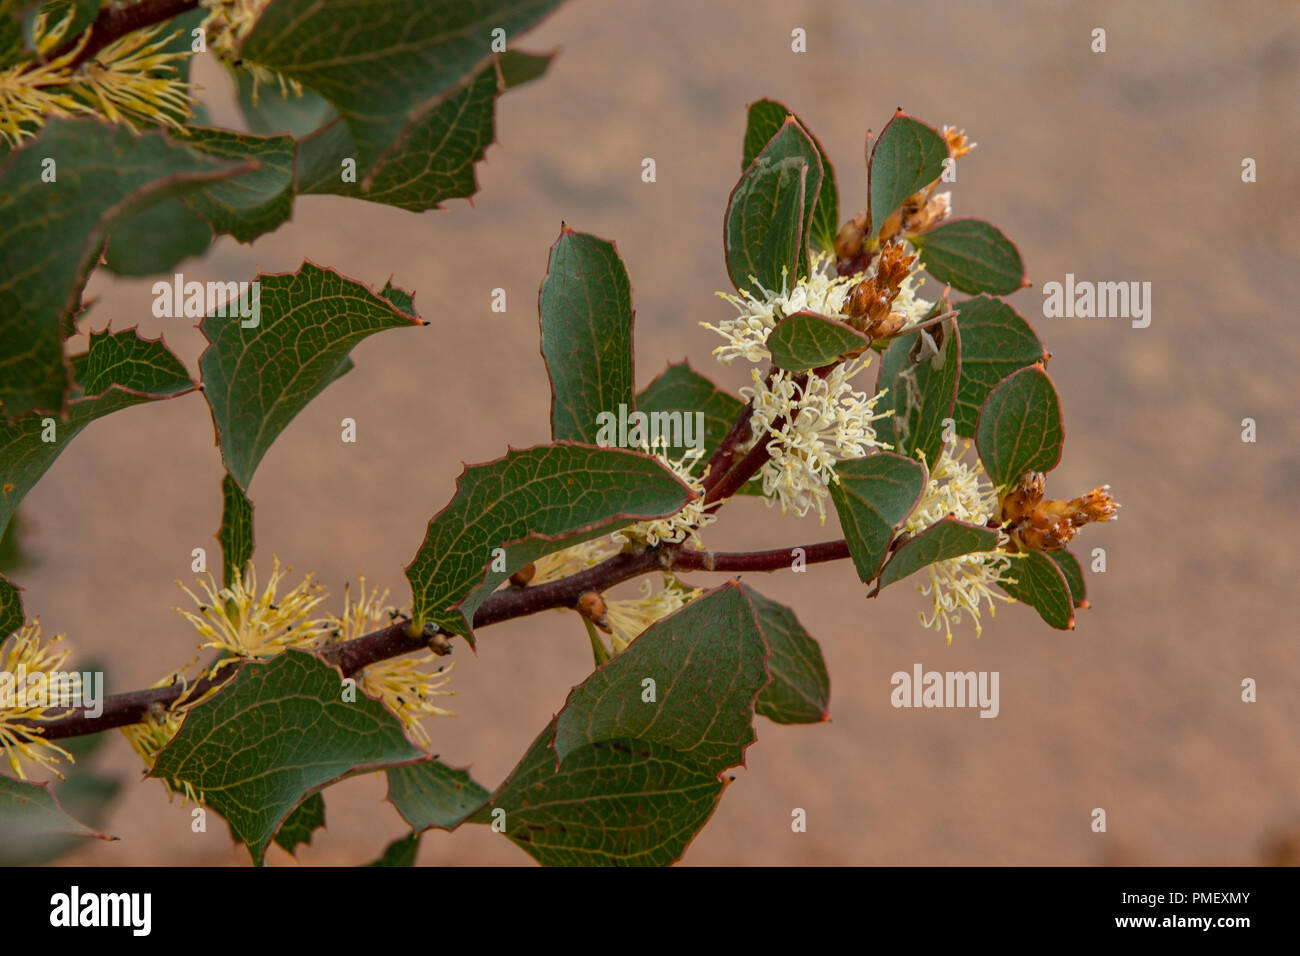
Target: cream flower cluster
[(959, 586), (682, 526), (20, 741), (822, 291), (821, 421)]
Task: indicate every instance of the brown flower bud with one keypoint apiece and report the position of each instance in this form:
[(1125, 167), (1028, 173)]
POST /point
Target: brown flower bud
[(592, 606), (524, 575)]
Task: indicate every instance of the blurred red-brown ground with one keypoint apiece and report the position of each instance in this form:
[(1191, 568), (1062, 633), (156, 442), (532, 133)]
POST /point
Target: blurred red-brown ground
[(1116, 166)]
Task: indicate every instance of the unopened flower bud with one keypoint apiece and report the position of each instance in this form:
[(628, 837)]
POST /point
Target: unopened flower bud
[(592, 606)]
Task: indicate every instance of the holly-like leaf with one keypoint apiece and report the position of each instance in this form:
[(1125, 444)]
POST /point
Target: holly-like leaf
[(806, 340), (431, 794), (800, 689), (583, 795), (1019, 427), (1072, 571), (257, 379), (971, 255), (400, 852), (119, 370), (873, 496), (679, 388), (707, 664), (306, 819), (907, 156), (252, 204), (438, 153), (995, 342), (236, 533), (30, 817), (11, 608), (921, 393), (84, 794), (1037, 581), (946, 538), (383, 64), (612, 803), (765, 232), (273, 735), (53, 233), (530, 503), (766, 117), (586, 314)]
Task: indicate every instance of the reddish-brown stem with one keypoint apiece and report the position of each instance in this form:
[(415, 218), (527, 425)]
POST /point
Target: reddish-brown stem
[(115, 22), (774, 560)]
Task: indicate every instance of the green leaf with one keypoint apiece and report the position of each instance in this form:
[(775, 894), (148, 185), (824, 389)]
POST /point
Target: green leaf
[(435, 162), (921, 393), (236, 533), (252, 204), (946, 538), (873, 496), (519, 68), (679, 388), (611, 803), (119, 370), (383, 64), (586, 314), (431, 794), (83, 794), (1038, 582), (276, 115), (766, 117), (806, 340), (400, 852), (800, 689), (583, 797), (1019, 428), (11, 608), (30, 817), (908, 156), (530, 503), (707, 662), (306, 818), (157, 239), (995, 341), (971, 255), (53, 233), (765, 233), (257, 379), (1072, 571), (274, 734)]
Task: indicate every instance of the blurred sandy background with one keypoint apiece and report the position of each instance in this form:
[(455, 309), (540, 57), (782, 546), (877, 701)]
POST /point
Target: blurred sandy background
[(1116, 166)]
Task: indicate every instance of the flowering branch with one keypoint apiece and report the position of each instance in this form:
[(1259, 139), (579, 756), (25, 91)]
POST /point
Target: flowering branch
[(397, 639)]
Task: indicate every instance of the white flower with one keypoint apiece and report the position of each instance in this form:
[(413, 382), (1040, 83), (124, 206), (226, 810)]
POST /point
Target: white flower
[(822, 292), (960, 585), (681, 526), (822, 421)]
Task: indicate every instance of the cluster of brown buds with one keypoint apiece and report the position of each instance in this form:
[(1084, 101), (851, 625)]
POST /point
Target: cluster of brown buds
[(1036, 523), (922, 210), (868, 306)]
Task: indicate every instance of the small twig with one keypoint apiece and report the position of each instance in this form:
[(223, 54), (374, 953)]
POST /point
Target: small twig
[(115, 22)]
